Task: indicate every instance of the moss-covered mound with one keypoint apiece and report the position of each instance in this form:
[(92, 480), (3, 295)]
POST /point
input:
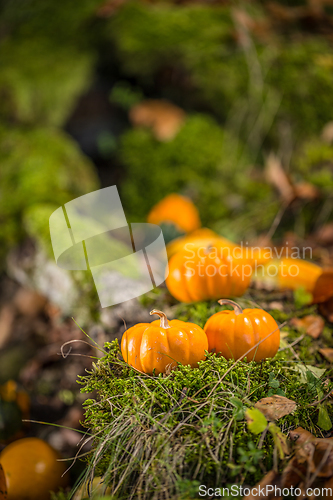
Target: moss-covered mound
[(160, 437)]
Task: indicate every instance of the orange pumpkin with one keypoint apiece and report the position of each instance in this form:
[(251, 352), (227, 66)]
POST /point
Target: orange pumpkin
[(160, 345), (202, 236), (177, 210), (32, 469), (234, 333), (297, 273), (199, 273)]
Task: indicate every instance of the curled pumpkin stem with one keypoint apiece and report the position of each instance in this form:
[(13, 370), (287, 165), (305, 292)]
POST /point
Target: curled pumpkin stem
[(237, 307), (163, 319)]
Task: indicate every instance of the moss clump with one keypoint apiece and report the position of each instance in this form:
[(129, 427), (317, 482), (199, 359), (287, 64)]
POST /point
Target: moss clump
[(40, 170), (153, 434)]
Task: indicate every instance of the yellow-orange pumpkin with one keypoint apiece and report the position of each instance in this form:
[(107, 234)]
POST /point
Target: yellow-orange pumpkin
[(297, 273), (177, 210), (32, 469), (160, 345), (233, 333), (203, 236), (199, 273)]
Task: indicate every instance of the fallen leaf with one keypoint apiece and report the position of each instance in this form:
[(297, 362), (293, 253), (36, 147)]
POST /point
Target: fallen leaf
[(7, 316), (327, 133), (164, 118), (327, 353), (312, 324), (326, 309), (256, 420), (272, 478), (3, 487), (276, 175), (306, 191), (275, 407), (316, 452), (323, 289), (324, 236), (293, 473)]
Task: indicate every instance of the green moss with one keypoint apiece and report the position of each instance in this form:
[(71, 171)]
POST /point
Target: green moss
[(202, 160), (40, 170), (287, 81), (150, 432), (39, 87)]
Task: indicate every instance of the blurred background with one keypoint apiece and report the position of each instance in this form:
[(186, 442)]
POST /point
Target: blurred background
[(228, 103)]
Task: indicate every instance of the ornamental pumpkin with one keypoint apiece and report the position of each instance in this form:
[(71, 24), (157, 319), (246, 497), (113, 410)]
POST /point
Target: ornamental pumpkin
[(32, 469), (234, 333), (202, 236), (177, 210), (201, 273), (297, 273), (160, 345)]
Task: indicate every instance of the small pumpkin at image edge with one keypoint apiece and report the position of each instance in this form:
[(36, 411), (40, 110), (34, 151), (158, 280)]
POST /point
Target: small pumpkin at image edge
[(32, 469), (198, 273), (234, 333), (178, 210), (160, 345)]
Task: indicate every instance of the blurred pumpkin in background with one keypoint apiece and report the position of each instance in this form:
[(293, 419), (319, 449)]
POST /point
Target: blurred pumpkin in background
[(177, 211), (32, 469), (234, 333), (294, 274), (199, 273), (14, 407)]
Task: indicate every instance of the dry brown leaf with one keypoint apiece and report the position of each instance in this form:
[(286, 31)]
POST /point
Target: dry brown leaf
[(324, 236), (327, 133), (275, 407), (276, 175), (271, 478), (316, 452), (312, 324), (3, 487), (164, 118), (326, 309), (323, 289), (293, 473), (306, 191), (327, 353), (7, 316)]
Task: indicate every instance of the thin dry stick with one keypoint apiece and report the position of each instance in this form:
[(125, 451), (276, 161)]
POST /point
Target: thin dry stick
[(323, 399), (64, 355)]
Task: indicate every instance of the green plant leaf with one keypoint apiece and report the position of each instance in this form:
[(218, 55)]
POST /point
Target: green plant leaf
[(256, 421), (324, 421)]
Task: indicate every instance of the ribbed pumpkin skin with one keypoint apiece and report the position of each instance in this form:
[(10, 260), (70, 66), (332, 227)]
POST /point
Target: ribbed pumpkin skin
[(195, 279), (147, 345), (176, 209), (233, 335)]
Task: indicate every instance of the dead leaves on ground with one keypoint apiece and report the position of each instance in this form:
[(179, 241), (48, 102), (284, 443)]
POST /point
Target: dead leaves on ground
[(312, 324), (162, 117), (275, 407), (327, 353), (288, 190), (310, 467)]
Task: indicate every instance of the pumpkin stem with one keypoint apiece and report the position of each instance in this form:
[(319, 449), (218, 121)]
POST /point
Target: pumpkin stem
[(237, 307), (163, 319)]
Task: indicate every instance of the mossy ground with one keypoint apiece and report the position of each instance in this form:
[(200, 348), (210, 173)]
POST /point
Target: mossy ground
[(159, 437)]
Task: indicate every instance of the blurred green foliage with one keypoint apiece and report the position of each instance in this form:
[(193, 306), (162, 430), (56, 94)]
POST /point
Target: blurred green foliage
[(40, 170)]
